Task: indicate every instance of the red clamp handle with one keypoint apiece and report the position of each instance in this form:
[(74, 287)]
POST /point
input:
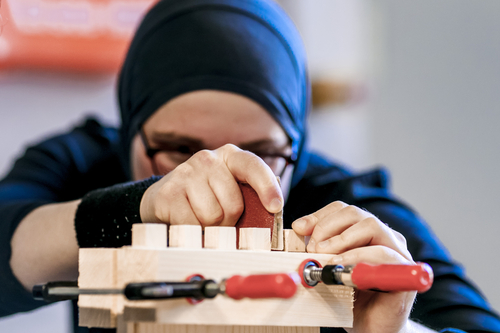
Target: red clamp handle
[(417, 277), (262, 286)]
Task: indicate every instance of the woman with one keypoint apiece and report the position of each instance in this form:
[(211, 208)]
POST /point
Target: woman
[(212, 93)]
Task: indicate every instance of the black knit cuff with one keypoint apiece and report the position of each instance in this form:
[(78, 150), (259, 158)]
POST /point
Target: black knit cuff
[(104, 217)]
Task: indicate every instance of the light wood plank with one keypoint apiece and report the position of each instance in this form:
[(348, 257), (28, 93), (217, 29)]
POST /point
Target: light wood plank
[(159, 328), (322, 306)]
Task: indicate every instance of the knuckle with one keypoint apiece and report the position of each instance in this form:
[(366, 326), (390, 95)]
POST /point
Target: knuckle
[(337, 205), (343, 238), (382, 251), (205, 156), (351, 209), (311, 219), (184, 170), (373, 224), (212, 217), (229, 148), (386, 252), (255, 161), (234, 210), (399, 236)]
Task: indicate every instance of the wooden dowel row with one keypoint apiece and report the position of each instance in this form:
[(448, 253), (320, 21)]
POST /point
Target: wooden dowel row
[(154, 235)]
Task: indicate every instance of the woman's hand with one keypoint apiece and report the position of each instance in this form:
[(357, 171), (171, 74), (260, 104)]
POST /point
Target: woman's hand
[(357, 236), (204, 189)]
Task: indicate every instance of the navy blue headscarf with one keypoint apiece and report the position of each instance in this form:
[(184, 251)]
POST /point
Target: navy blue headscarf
[(248, 47)]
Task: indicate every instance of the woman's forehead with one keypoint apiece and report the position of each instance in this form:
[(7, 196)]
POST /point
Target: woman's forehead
[(215, 117)]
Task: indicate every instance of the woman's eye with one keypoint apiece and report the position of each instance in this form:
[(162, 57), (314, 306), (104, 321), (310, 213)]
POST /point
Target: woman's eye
[(184, 150)]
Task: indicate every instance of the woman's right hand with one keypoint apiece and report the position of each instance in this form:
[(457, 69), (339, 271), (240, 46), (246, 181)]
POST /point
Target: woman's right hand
[(204, 189)]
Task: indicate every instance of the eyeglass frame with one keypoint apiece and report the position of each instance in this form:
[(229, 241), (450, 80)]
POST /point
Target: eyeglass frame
[(151, 152)]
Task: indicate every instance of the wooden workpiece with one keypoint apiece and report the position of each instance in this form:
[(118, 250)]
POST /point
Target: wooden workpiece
[(148, 260), (159, 328), (322, 306)]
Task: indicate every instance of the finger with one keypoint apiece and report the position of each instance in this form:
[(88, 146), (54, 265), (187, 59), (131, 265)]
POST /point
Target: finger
[(212, 190), (183, 212), (368, 232), (229, 197), (204, 203), (306, 224), (249, 168), (336, 222), (374, 255)]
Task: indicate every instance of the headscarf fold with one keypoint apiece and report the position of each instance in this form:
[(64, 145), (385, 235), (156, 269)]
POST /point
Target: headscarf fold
[(248, 47)]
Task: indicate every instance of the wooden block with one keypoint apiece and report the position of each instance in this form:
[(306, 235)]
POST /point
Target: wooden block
[(185, 236), (255, 239), (97, 269), (321, 306), (159, 328), (293, 242), (151, 235), (222, 238)]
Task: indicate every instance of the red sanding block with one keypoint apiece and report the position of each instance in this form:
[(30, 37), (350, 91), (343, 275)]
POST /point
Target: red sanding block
[(256, 216)]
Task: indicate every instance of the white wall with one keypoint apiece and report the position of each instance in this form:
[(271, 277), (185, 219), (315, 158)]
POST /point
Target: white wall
[(433, 112), (337, 39), (436, 121)]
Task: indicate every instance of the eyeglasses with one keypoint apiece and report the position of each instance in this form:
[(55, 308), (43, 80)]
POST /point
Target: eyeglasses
[(167, 158)]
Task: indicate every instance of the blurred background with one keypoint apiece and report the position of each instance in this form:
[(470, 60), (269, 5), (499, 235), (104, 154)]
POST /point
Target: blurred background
[(412, 86)]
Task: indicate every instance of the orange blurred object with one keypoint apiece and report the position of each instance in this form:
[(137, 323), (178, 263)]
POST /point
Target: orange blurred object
[(90, 36)]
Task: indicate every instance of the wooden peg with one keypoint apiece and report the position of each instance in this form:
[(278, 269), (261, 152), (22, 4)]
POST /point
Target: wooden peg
[(293, 242), (255, 239), (185, 236), (150, 235), (222, 238)]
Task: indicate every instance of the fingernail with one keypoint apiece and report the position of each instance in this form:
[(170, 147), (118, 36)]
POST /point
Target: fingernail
[(300, 223), (276, 205), (323, 244)]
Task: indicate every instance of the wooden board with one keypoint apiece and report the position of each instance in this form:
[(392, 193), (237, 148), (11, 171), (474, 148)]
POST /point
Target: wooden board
[(161, 328), (322, 306)]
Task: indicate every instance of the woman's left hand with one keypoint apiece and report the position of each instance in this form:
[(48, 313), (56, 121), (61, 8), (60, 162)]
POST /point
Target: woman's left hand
[(356, 236)]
